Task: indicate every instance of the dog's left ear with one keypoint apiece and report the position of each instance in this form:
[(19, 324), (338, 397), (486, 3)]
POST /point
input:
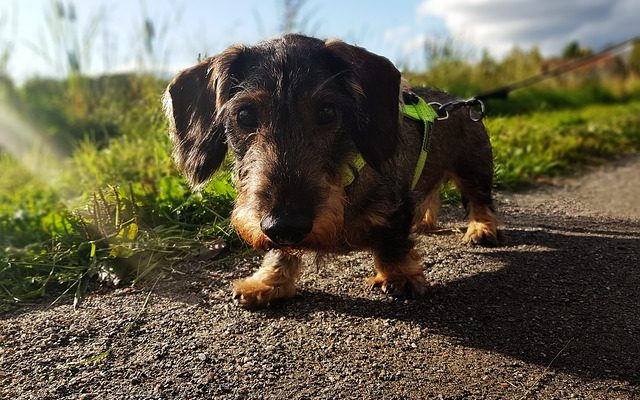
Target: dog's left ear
[(374, 82), (192, 105)]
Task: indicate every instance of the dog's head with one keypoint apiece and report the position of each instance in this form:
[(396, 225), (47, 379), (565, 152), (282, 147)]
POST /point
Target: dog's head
[(295, 111)]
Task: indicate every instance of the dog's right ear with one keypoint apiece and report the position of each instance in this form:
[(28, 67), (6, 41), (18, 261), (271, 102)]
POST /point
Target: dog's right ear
[(375, 85), (192, 102)]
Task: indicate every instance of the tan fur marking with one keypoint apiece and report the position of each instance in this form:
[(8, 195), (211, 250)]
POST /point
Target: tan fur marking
[(405, 277), (329, 222), (245, 217), (247, 224), (483, 227), (426, 216), (276, 279)]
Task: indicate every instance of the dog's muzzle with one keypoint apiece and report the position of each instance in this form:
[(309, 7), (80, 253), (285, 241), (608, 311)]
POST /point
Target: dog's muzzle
[(286, 229)]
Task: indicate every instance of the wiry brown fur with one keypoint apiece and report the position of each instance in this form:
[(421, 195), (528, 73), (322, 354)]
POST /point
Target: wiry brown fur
[(295, 111)]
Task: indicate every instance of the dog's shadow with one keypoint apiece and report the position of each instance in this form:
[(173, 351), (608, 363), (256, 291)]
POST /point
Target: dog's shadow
[(568, 294)]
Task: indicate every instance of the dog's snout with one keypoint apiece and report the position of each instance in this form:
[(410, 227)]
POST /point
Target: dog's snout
[(286, 230)]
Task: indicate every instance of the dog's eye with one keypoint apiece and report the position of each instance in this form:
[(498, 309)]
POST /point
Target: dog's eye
[(327, 114), (247, 118)]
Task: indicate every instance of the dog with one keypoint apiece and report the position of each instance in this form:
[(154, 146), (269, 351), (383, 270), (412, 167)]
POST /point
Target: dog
[(300, 114)]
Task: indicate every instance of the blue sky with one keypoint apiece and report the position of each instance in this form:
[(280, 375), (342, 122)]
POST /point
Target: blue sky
[(396, 29)]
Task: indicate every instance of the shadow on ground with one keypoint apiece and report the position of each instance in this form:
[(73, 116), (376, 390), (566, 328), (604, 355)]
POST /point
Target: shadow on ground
[(567, 296)]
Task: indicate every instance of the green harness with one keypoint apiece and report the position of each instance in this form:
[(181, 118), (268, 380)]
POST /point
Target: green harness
[(417, 109)]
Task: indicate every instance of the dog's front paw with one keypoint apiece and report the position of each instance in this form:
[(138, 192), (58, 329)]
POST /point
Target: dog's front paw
[(480, 233), (399, 285), (253, 293)]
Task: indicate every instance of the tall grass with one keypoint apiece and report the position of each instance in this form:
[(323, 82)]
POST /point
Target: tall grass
[(618, 82), (116, 208)]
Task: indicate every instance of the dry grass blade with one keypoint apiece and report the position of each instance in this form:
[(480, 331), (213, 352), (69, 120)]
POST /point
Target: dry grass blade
[(535, 383)]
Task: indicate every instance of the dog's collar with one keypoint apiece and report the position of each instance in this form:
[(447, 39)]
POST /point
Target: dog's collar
[(413, 107)]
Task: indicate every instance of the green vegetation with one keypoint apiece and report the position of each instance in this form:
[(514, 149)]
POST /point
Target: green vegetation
[(88, 191), (112, 205), (549, 143)]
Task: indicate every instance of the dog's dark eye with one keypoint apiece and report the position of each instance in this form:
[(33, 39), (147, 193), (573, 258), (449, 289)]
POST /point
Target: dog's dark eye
[(327, 114), (247, 118)]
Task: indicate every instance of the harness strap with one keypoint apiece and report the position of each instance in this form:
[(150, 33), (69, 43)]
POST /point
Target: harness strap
[(352, 170), (416, 108)]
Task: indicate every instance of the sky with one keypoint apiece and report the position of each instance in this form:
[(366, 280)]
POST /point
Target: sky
[(110, 32)]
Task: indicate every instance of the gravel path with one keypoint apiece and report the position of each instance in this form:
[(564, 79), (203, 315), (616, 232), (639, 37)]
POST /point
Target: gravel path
[(552, 314)]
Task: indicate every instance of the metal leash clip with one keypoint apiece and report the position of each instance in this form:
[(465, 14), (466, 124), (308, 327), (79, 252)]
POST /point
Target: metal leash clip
[(476, 109), (475, 106), (438, 108)]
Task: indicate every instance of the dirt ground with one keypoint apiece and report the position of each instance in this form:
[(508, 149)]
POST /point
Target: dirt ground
[(552, 314)]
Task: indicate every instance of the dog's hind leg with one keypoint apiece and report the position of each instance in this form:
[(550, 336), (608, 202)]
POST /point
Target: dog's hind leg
[(482, 227), (275, 279), (476, 192), (426, 218)]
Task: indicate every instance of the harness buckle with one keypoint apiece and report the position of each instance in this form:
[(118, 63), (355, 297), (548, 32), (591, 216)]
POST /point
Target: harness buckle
[(410, 98), (438, 108)]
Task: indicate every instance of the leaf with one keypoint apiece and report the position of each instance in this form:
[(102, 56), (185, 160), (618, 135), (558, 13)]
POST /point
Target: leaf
[(129, 232), (133, 231), (120, 251)]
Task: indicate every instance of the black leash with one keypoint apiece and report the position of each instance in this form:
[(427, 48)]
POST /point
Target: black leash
[(476, 104)]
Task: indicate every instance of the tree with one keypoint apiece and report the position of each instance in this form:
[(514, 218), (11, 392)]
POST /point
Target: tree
[(634, 58), (574, 50)]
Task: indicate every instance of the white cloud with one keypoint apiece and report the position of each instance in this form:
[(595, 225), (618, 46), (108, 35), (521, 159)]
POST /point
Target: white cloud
[(395, 34), (498, 25), (416, 43), (403, 38), (409, 46)]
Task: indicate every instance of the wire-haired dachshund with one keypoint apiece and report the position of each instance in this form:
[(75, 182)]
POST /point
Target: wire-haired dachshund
[(324, 158)]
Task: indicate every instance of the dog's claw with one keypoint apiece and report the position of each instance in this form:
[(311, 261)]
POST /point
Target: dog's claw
[(409, 287), (484, 241)]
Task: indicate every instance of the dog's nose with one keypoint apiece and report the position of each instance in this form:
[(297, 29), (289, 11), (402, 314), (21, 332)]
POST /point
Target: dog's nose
[(286, 230)]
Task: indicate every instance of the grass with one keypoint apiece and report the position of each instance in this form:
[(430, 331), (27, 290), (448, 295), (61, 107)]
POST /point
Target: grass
[(112, 208), (550, 143)]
